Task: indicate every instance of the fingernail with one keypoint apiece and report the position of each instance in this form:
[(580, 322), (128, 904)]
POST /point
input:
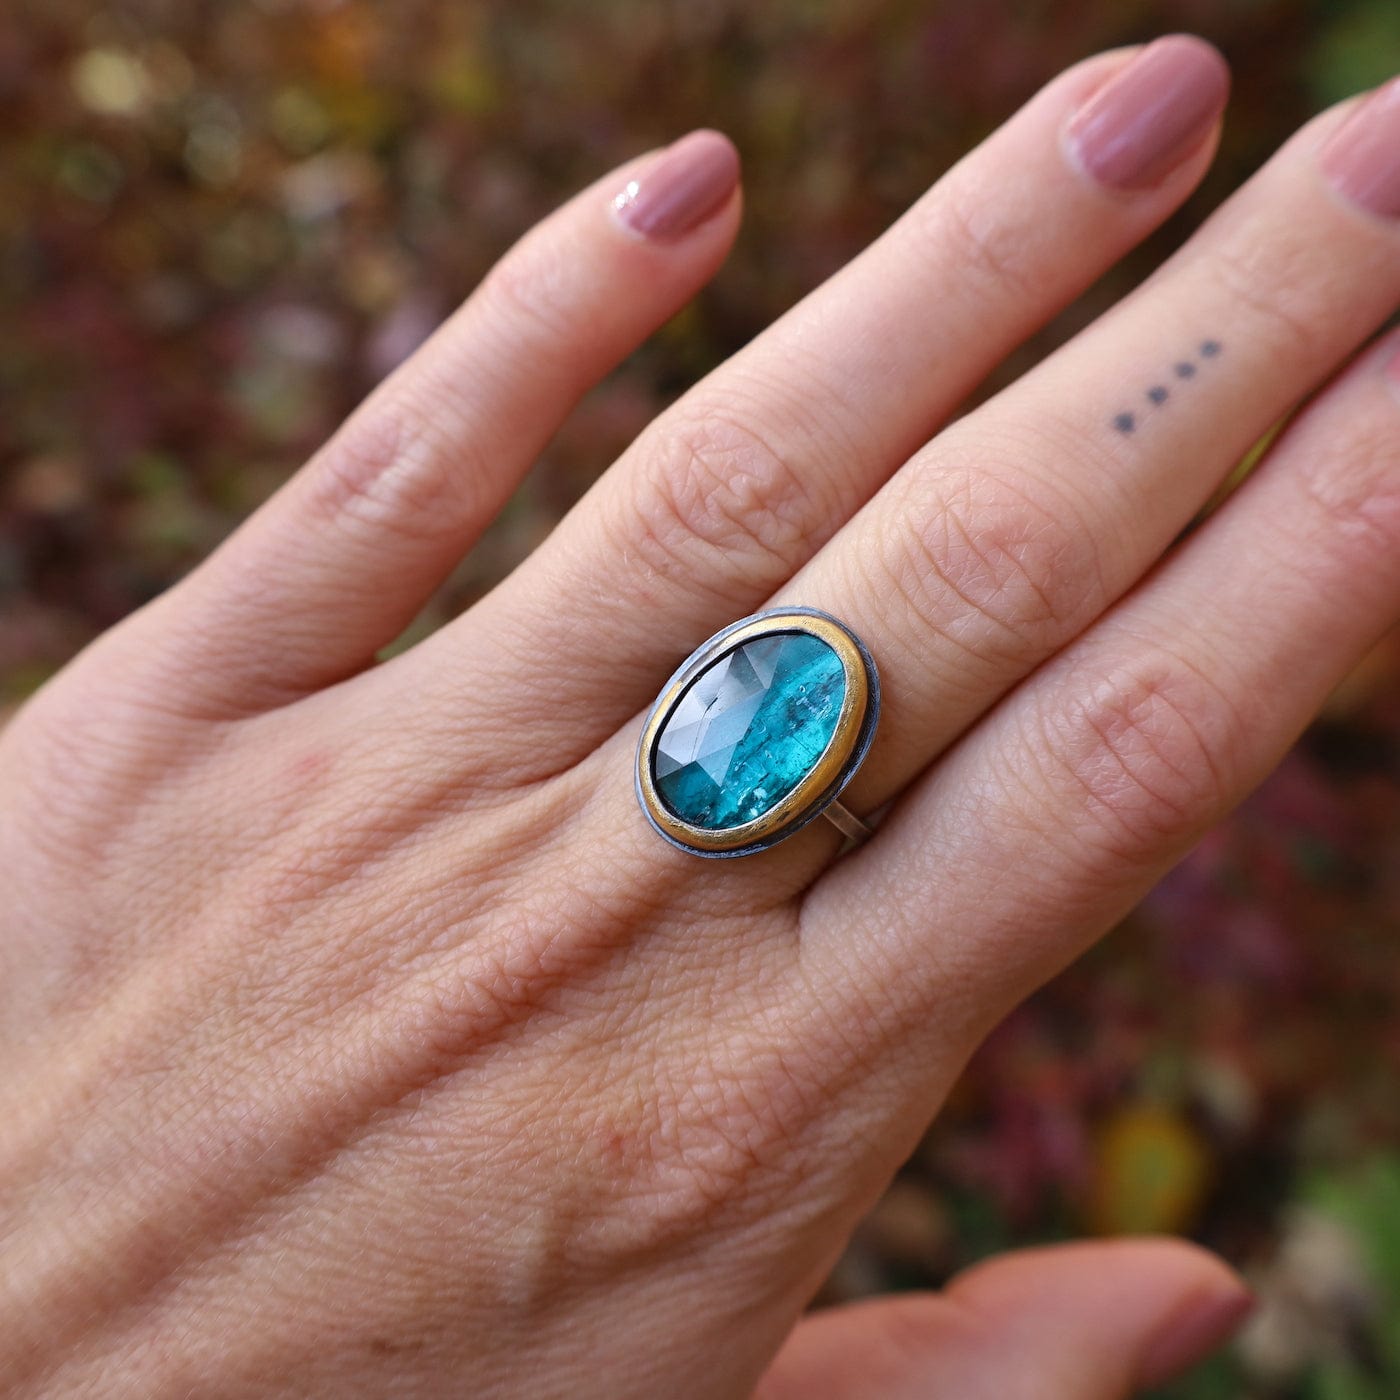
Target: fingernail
[(1192, 1334), (1140, 126), (1363, 159), (687, 183)]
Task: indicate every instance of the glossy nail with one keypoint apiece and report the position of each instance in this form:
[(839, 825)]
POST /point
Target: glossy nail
[(1147, 119), (1192, 1334), (686, 184), (1363, 159)]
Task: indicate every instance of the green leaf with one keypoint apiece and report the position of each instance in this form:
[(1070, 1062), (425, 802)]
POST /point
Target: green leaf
[(1358, 49)]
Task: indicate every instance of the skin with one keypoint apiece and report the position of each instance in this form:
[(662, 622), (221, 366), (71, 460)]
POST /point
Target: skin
[(358, 1036)]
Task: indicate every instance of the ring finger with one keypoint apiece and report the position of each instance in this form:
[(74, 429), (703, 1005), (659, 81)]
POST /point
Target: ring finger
[(1022, 523)]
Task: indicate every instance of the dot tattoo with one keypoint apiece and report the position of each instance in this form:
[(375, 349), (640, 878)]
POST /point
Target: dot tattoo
[(1127, 422)]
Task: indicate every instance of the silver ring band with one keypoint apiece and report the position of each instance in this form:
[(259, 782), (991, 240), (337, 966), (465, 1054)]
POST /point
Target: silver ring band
[(847, 823)]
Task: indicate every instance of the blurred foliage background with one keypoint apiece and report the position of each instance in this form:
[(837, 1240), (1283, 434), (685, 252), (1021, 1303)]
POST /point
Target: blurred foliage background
[(222, 222)]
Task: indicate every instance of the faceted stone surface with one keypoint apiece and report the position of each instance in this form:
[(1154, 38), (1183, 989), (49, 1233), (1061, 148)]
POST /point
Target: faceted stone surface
[(749, 729)]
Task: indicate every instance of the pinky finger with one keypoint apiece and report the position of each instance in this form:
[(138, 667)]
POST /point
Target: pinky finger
[(343, 557), (1048, 821)]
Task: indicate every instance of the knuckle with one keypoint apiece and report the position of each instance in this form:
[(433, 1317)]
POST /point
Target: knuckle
[(66, 772), (1012, 560), (983, 243), (318, 835), (111, 777), (532, 290), (414, 463), (1280, 286), (398, 470), (99, 736), (902, 1342), (1351, 493), (1140, 753), (714, 484)]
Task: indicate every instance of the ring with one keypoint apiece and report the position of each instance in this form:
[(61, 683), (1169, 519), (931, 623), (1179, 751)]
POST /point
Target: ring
[(757, 733)]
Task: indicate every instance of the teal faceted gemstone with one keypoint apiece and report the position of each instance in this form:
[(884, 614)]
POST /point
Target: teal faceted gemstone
[(749, 729)]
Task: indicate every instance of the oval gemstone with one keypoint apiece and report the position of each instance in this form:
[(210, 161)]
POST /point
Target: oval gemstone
[(748, 729)]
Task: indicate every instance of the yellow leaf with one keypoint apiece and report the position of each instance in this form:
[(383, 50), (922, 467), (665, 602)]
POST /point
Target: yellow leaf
[(1150, 1175)]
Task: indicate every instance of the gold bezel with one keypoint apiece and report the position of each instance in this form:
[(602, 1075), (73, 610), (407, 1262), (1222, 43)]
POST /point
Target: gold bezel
[(818, 781)]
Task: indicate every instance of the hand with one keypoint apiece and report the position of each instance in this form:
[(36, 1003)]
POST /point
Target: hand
[(359, 1035)]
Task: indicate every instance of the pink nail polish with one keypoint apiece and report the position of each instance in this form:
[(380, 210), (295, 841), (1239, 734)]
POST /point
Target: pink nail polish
[(1192, 1334), (1153, 114), (686, 184), (1363, 159)]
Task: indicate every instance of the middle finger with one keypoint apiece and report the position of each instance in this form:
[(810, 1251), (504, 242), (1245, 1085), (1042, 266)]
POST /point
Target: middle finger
[(737, 486)]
